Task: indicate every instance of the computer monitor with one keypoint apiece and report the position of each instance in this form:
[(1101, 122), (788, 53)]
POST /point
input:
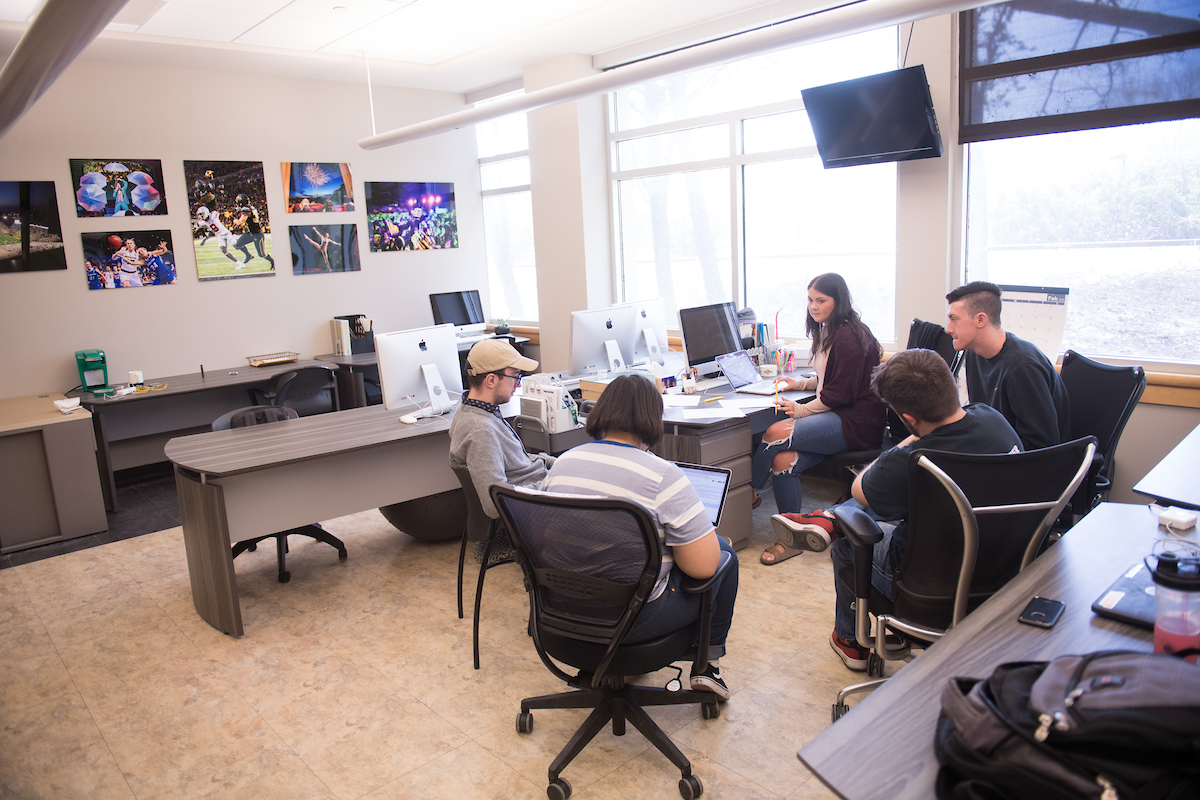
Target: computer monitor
[(461, 309), (600, 339), (650, 331), (708, 332), (419, 366)]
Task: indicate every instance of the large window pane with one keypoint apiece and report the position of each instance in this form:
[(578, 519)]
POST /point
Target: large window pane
[(675, 239), (501, 174), (777, 132), (512, 275), (756, 81), (1113, 215), (502, 135), (694, 144), (802, 220)]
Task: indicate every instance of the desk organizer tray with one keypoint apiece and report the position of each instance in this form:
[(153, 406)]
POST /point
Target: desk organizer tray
[(270, 359)]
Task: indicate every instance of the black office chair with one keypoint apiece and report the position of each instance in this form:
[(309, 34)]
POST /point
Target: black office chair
[(927, 335), (264, 415), (590, 564), (309, 390), (479, 527), (974, 522), (1102, 399)]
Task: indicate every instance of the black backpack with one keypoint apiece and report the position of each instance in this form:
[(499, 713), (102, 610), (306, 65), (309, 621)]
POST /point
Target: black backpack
[(1107, 725)]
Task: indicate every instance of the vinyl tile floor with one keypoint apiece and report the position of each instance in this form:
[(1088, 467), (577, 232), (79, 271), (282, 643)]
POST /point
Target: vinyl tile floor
[(355, 679)]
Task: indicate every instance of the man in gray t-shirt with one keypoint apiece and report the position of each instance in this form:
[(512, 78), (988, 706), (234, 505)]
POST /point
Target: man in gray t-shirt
[(480, 439)]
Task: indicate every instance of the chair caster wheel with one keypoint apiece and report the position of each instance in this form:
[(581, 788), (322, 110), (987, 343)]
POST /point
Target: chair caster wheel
[(342, 554), (284, 577), (839, 711), (710, 710), (690, 787), (874, 666), (559, 789), (524, 722), (253, 546)]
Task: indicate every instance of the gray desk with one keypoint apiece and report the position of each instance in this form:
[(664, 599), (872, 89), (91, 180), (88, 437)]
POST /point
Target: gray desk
[(884, 747), (131, 430), (237, 484), (1176, 479)]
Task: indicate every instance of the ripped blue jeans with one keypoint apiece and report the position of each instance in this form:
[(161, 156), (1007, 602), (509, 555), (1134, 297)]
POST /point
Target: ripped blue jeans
[(812, 439)]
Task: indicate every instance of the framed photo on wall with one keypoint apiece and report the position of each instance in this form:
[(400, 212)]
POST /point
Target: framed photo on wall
[(30, 228), (411, 216), (320, 249), (231, 230), (123, 259), (318, 186), (129, 187)]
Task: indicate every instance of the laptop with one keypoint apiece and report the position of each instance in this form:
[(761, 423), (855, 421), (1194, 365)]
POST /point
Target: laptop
[(1130, 599), (742, 375), (712, 484)]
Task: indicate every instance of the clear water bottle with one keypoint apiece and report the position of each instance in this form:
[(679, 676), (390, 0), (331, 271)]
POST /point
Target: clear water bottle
[(1177, 590)]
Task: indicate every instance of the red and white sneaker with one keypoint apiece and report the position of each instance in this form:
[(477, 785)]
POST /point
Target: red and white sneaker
[(813, 530), (853, 656)]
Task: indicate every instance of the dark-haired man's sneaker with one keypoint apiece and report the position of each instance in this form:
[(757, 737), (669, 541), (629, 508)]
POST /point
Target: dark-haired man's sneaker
[(853, 656), (813, 530), (710, 681)]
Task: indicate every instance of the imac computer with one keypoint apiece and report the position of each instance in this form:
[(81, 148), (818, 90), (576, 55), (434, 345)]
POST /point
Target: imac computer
[(708, 332), (650, 331), (461, 309), (419, 366), (600, 339)]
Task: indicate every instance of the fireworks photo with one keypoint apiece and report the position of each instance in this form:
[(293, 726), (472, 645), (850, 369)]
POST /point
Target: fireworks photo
[(125, 259), (30, 230), (318, 249), (231, 231), (411, 216), (117, 188), (318, 186)]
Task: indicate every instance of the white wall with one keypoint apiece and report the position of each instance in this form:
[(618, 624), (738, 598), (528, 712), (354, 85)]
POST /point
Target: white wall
[(104, 110)]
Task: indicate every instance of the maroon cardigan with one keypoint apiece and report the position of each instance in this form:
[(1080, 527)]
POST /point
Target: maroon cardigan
[(847, 390)]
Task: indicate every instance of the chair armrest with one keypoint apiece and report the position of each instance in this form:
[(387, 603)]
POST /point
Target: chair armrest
[(702, 585), (859, 528)]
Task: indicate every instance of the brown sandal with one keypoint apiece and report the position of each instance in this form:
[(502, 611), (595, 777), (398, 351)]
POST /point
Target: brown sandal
[(771, 556)]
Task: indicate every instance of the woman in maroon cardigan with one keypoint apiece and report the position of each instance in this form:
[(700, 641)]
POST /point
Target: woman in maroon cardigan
[(845, 414)]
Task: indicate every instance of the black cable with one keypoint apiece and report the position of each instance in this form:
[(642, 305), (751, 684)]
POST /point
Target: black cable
[(904, 61)]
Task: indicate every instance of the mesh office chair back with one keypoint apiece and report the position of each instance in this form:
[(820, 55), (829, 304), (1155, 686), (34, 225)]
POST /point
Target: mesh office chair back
[(978, 517), (1102, 399)]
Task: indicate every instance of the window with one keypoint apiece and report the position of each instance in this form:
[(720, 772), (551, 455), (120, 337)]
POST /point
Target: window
[(1111, 214), (508, 217), (720, 194)]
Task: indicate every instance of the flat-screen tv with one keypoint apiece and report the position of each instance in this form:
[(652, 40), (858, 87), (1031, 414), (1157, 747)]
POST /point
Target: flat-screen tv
[(884, 117)]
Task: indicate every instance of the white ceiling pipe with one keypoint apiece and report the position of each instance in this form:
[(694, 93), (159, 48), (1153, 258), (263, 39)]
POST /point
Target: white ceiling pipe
[(59, 33), (856, 17)]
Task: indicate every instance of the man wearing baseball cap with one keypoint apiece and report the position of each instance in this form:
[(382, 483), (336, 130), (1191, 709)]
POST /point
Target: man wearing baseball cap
[(480, 439)]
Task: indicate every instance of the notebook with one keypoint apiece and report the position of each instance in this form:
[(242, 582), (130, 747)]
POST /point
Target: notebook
[(1130, 598), (712, 484), (742, 375)]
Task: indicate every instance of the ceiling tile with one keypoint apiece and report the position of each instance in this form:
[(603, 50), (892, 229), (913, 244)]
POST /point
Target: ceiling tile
[(190, 21), (294, 34), (341, 12), (18, 10)]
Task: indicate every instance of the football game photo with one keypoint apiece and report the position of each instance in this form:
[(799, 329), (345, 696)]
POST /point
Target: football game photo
[(231, 231)]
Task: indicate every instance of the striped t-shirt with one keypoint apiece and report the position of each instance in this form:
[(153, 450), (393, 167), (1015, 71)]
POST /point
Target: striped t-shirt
[(613, 470)]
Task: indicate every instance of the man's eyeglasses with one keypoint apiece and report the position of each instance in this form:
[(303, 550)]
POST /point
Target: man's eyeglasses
[(516, 378)]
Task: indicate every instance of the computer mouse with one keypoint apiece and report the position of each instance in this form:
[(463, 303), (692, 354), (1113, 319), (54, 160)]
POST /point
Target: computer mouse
[(409, 419)]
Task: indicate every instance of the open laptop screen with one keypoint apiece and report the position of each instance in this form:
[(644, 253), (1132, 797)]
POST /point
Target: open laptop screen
[(712, 484)]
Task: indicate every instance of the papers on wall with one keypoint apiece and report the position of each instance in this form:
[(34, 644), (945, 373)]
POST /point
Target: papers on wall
[(1037, 314)]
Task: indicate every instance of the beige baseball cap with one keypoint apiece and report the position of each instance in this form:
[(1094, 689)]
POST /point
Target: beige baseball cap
[(493, 355)]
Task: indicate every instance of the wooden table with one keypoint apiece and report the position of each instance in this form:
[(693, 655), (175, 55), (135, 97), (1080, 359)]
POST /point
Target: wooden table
[(883, 748), (1176, 479), (131, 430), (238, 484)]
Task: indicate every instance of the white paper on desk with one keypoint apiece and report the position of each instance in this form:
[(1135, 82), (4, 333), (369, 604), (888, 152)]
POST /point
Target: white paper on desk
[(712, 413), (680, 400), (749, 402)]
